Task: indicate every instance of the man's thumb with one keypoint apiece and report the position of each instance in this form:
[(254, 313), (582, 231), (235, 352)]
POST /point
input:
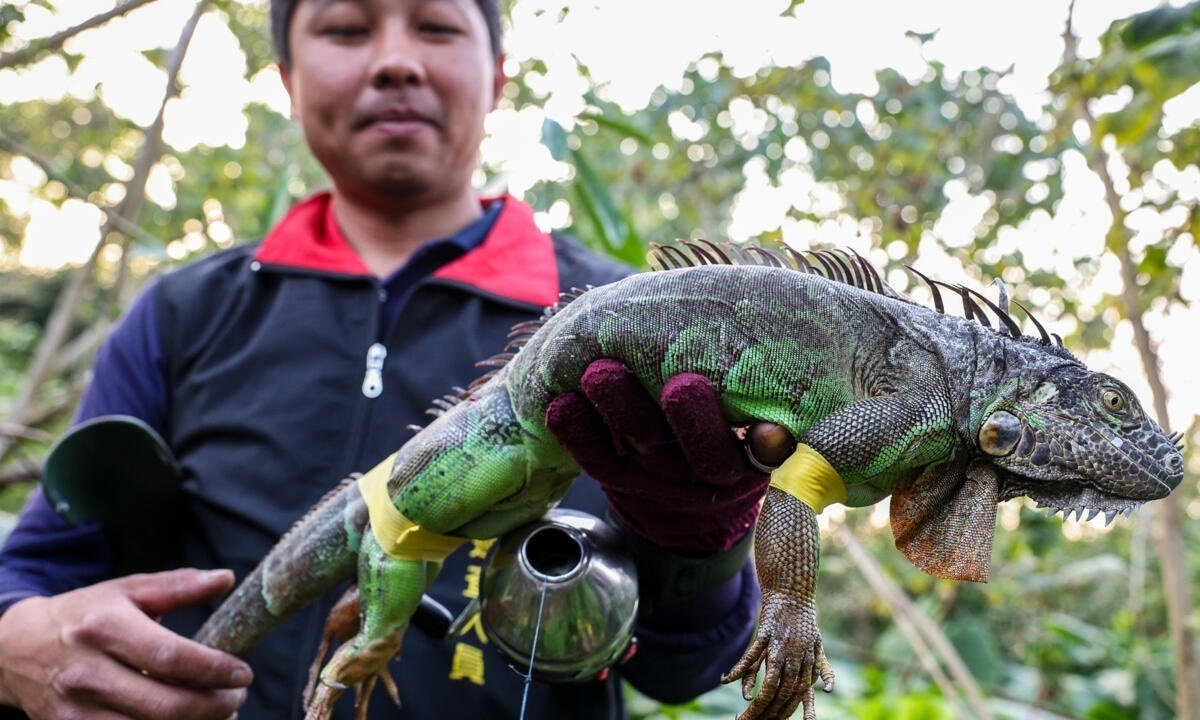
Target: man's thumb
[(164, 592)]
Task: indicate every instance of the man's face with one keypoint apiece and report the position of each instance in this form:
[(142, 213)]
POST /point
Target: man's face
[(392, 94)]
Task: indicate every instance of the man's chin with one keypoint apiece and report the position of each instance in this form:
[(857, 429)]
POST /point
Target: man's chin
[(393, 189)]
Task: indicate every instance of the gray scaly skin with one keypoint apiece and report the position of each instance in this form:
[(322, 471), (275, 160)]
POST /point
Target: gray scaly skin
[(947, 416)]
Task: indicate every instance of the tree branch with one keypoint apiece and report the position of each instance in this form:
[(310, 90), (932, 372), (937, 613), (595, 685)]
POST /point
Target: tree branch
[(37, 48), (114, 218), (929, 642), (58, 328), (25, 471), (25, 432), (1168, 527)]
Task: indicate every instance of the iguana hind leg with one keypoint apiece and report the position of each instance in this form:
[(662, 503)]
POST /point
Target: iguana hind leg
[(389, 591), (343, 623)]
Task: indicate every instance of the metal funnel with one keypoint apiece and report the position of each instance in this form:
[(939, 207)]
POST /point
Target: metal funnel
[(590, 599)]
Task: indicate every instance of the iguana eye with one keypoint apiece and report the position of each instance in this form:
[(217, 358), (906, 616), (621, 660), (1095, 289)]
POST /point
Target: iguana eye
[(1113, 400)]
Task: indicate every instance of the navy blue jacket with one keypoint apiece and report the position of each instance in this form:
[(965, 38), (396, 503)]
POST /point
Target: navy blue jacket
[(253, 365)]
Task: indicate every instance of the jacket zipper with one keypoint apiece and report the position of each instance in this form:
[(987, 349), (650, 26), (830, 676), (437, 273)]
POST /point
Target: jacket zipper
[(372, 386)]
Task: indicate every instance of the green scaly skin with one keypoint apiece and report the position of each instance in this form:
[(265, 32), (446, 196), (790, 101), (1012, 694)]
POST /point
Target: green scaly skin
[(949, 416)]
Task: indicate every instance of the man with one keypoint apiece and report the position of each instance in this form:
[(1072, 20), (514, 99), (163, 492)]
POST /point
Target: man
[(272, 370)]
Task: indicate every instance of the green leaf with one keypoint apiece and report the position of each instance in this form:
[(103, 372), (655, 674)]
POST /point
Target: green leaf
[(1153, 25), (610, 226), (9, 14), (554, 137)]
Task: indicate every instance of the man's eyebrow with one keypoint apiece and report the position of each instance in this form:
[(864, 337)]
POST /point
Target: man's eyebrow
[(364, 2)]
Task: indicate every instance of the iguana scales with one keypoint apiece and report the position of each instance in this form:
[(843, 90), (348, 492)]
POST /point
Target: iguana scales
[(946, 414)]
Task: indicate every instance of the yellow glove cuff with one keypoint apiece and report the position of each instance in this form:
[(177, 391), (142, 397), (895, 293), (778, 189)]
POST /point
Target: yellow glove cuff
[(397, 535), (807, 476)]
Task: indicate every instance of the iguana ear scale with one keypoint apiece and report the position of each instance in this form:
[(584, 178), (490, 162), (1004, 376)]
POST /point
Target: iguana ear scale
[(944, 519)]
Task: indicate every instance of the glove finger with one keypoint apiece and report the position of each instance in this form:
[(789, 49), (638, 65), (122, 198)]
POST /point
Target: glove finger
[(581, 431), (633, 416), (706, 440)]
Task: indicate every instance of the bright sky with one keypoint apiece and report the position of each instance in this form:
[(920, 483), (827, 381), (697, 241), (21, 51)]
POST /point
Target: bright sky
[(631, 47)]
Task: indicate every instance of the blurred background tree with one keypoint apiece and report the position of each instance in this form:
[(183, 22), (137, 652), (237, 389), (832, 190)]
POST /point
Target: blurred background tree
[(941, 167)]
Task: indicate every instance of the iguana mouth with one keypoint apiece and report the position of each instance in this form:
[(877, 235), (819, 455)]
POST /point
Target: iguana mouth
[(1078, 503)]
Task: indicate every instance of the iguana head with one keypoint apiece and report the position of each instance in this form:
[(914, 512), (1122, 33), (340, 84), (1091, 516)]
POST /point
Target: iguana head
[(1039, 424), (1077, 441)]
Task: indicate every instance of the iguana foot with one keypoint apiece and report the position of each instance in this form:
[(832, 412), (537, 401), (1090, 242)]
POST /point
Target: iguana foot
[(352, 666), (788, 647)]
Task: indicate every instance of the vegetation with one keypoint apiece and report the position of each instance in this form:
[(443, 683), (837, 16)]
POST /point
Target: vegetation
[(1077, 622)]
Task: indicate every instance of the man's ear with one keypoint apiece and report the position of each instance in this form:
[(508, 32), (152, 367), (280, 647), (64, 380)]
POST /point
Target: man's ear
[(286, 77), (499, 80)]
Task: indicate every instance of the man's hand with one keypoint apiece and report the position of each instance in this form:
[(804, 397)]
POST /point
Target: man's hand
[(98, 652), (674, 472)]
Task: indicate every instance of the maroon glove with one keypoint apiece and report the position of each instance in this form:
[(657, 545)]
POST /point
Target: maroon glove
[(676, 475)]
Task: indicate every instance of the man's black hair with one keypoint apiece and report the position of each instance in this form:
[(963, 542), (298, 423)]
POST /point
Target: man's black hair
[(281, 19)]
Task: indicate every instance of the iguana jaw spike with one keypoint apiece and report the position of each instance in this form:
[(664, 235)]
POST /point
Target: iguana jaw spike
[(1089, 514), (1079, 505)]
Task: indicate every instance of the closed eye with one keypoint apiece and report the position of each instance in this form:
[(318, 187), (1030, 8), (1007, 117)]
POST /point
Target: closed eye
[(439, 29), (344, 31)]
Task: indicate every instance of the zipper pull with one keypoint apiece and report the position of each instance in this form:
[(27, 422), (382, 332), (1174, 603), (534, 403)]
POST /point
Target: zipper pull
[(372, 386)]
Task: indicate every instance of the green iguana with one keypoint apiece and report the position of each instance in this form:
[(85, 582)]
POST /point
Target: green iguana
[(885, 396)]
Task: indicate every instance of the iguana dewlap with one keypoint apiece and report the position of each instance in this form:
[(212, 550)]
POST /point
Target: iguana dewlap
[(885, 396)]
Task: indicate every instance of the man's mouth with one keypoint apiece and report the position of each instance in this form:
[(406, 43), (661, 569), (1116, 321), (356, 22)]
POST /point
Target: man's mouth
[(394, 118)]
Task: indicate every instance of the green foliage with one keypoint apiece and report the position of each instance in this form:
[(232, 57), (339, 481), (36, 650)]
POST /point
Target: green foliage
[(1148, 58), (9, 14), (1154, 54), (591, 196), (678, 165), (249, 23), (17, 339), (75, 138), (12, 13)]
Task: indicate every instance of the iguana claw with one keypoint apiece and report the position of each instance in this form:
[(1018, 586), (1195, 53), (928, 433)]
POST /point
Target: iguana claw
[(319, 701), (788, 646)]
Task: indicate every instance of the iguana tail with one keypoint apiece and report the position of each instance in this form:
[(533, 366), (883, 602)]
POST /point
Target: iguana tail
[(314, 556)]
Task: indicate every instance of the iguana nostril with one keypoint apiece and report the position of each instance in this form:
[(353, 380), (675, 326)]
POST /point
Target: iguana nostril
[(1000, 434)]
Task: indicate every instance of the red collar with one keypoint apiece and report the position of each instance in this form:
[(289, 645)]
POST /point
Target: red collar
[(515, 261)]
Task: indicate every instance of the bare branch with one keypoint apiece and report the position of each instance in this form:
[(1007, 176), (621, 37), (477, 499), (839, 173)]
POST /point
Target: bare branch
[(58, 328), (1167, 530), (114, 218), (927, 640), (23, 471), (83, 346), (25, 432), (41, 46)]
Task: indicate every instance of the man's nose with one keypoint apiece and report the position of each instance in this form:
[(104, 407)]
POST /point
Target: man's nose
[(397, 58)]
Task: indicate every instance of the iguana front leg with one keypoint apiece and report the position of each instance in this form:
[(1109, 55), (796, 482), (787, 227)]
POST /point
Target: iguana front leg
[(875, 437), (788, 645)]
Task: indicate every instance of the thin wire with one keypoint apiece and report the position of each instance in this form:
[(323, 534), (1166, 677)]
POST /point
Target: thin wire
[(533, 652)]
